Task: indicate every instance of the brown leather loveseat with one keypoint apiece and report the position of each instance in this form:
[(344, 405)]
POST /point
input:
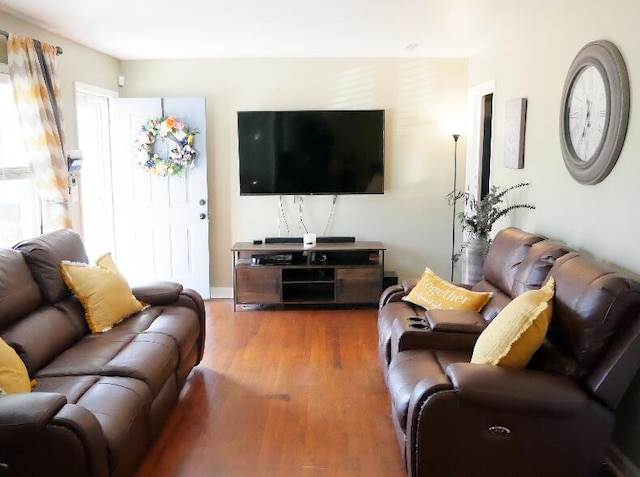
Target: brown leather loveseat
[(99, 399), (554, 417)]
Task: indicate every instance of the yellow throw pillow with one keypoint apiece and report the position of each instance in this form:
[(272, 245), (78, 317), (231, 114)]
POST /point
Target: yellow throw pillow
[(518, 330), (14, 377), (106, 261), (104, 294), (434, 293)]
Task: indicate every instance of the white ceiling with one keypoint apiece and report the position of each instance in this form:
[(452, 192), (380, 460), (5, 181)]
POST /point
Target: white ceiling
[(163, 29)]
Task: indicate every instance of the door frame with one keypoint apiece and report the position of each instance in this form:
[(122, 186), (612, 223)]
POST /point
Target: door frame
[(474, 171)]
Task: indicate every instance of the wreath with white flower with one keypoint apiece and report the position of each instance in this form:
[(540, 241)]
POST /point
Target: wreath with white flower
[(181, 156)]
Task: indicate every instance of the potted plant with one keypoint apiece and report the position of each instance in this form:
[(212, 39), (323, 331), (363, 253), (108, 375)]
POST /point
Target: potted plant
[(477, 219)]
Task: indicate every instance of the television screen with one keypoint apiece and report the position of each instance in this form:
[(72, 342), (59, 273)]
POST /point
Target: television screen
[(311, 152)]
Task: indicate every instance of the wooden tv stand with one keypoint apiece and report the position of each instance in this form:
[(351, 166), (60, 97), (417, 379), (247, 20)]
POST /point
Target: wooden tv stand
[(329, 273)]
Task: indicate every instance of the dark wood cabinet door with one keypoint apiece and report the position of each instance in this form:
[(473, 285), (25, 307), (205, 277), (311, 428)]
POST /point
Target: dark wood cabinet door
[(261, 284), (358, 285)]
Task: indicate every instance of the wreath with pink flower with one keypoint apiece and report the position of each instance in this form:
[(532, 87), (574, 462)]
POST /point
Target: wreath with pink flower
[(181, 153)]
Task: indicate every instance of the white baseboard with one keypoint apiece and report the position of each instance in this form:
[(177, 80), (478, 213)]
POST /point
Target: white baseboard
[(620, 464), (221, 292)]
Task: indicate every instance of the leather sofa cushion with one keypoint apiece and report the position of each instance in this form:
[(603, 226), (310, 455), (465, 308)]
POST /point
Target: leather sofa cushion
[(426, 368), (44, 254), (148, 357), (535, 267), (591, 303), (507, 251), (19, 294), (498, 300), (42, 335)]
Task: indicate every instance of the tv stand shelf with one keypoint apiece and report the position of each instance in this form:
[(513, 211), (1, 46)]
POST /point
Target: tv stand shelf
[(329, 273)]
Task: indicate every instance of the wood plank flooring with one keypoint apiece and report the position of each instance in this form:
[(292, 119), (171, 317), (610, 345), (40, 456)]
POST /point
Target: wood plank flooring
[(282, 394)]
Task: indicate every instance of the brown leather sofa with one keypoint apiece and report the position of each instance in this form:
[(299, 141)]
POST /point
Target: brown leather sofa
[(553, 418), (99, 399)]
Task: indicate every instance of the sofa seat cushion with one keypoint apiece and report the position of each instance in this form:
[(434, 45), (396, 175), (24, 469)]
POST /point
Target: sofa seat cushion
[(149, 357), (178, 323), (72, 387), (425, 367)]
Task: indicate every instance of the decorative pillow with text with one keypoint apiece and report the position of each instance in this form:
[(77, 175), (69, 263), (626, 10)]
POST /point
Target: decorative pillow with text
[(434, 293)]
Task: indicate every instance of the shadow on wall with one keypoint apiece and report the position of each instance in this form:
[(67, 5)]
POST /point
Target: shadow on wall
[(355, 89)]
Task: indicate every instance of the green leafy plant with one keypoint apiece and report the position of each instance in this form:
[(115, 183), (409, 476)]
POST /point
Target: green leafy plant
[(478, 217)]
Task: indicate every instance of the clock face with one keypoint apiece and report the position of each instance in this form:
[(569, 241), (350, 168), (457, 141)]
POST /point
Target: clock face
[(594, 112), (587, 113)]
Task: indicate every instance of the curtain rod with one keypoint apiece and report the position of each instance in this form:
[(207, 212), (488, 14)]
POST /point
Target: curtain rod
[(6, 35)]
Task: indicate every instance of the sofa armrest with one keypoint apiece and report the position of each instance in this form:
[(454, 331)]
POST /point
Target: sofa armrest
[(414, 333), (158, 293), (520, 391), (38, 429), (459, 321), (24, 415), (391, 294)]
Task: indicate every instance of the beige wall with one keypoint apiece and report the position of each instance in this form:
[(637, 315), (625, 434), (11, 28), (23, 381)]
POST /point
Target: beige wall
[(77, 63), (419, 96), (533, 63), (599, 219)]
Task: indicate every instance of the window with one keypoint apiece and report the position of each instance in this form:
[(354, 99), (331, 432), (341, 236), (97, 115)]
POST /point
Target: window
[(19, 204)]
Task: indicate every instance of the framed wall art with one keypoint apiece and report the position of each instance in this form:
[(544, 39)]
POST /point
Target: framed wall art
[(515, 119)]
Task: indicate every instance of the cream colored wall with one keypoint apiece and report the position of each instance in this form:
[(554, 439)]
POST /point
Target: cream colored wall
[(412, 217), (601, 219), (533, 63)]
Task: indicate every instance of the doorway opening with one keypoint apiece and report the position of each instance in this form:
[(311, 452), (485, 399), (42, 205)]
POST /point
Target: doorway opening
[(96, 193), (485, 153), (480, 141)]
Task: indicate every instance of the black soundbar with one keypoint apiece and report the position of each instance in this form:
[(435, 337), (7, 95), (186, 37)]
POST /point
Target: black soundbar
[(330, 239)]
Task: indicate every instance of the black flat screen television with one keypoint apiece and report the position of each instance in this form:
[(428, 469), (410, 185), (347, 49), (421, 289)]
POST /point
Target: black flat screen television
[(311, 152)]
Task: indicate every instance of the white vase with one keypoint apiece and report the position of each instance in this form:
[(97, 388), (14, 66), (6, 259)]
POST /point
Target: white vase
[(472, 258)]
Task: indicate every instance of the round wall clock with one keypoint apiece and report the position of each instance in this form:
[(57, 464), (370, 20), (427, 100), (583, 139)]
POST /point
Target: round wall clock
[(594, 112)]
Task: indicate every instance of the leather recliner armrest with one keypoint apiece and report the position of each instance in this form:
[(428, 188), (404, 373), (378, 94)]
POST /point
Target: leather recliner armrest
[(391, 294), (520, 391), (25, 419), (157, 293), (458, 321), (24, 415)]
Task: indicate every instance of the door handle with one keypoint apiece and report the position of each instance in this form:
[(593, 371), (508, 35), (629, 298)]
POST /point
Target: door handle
[(202, 202), (203, 216)]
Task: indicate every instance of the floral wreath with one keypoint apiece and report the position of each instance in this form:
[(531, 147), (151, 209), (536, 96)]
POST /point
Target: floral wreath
[(180, 157)]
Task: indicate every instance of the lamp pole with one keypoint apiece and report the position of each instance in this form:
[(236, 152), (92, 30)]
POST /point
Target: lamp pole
[(455, 180)]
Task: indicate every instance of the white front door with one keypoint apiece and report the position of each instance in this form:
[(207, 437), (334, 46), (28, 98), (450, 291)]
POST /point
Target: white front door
[(161, 224)]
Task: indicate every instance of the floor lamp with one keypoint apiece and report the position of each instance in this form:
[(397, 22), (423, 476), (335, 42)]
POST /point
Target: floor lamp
[(453, 220)]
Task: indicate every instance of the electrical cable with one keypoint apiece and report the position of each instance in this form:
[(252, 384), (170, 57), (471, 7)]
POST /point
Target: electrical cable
[(333, 208), (284, 218), (301, 224)]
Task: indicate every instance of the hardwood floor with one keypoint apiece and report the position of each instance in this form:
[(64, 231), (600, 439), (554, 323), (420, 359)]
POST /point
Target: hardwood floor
[(293, 393)]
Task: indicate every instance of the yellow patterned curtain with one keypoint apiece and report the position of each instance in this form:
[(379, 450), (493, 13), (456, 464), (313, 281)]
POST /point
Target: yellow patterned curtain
[(33, 73)]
